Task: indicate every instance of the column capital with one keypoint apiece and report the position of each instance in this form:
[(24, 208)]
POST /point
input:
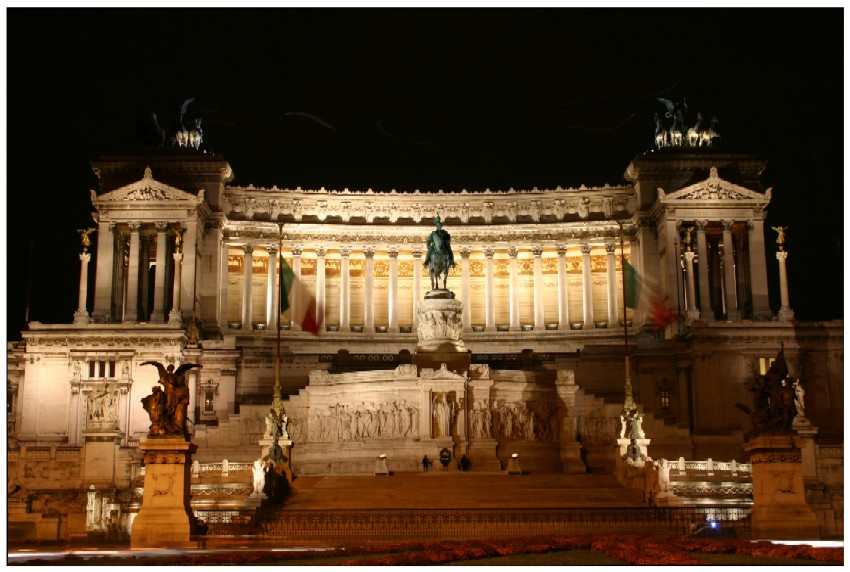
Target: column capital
[(161, 226), (321, 252), (296, 251), (345, 252), (111, 226), (727, 224), (134, 226), (85, 256), (689, 255), (585, 249), (489, 252), (248, 248), (562, 250), (701, 225), (464, 253), (537, 251), (610, 248), (393, 253), (178, 256), (271, 249), (513, 252), (782, 255), (417, 254), (369, 253)]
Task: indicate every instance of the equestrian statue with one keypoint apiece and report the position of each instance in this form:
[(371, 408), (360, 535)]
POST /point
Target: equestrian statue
[(439, 258)]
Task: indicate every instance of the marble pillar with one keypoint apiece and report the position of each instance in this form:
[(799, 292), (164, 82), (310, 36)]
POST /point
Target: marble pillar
[(320, 289), (513, 287), (344, 291), (175, 317), (758, 271), (271, 288), (693, 312), (539, 317), (467, 304), (158, 314), (489, 293), (392, 293), (730, 290), (706, 312), (417, 285), (131, 313), (294, 302), (785, 311), (611, 267), (189, 250), (223, 284), (368, 285), (587, 287), (81, 316), (247, 275), (563, 300), (104, 267)]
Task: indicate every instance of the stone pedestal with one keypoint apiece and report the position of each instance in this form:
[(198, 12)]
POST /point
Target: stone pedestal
[(482, 455), (164, 518), (381, 468), (285, 444), (779, 496), (439, 324), (514, 467)]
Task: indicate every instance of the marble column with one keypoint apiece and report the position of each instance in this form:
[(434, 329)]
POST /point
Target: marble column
[(131, 314), (294, 324), (611, 267), (368, 285), (693, 312), (513, 286), (392, 292), (271, 288), (247, 276), (175, 317), (464, 286), (489, 292), (223, 285), (104, 267), (539, 317), (587, 287), (758, 271), (189, 250), (417, 284), (730, 290), (158, 314), (785, 311), (563, 299), (705, 310), (81, 316), (344, 291), (320, 289)]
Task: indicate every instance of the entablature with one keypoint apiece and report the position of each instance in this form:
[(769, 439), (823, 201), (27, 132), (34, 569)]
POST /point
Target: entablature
[(463, 207), (711, 199)]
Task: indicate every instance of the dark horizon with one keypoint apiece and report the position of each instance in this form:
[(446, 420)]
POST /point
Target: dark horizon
[(420, 99)]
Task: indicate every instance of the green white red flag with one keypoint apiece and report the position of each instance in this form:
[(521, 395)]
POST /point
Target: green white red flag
[(644, 294), (292, 288)]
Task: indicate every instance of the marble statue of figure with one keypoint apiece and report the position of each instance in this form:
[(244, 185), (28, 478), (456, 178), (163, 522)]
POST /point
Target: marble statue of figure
[(77, 370), (664, 475), (441, 416), (173, 411), (799, 398), (258, 471), (439, 257)]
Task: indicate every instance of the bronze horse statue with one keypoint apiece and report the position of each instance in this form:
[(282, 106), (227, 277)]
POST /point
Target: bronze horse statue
[(439, 258)]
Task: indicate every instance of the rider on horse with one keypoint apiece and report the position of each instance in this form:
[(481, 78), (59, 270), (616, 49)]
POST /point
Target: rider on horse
[(439, 257)]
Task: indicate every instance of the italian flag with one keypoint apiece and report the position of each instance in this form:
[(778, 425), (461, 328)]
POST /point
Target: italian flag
[(291, 289), (646, 295)]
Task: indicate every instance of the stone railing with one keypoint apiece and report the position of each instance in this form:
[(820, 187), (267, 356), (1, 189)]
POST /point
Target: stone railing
[(223, 467), (709, 467)]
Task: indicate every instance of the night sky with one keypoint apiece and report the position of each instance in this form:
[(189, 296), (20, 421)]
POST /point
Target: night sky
[(419, 99)]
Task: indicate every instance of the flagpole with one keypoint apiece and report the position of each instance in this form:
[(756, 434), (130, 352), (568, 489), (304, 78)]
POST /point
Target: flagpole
[(277, 403), (629, 402)]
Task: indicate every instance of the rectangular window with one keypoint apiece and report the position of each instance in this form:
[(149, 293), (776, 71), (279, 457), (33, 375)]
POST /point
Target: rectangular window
[(102, 369), (91, 369), (112, 369)]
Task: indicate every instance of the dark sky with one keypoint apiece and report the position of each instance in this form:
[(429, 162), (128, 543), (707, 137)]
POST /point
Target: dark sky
[(419, 98)]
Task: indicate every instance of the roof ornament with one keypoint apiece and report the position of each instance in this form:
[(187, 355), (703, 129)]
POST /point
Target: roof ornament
[(671, 129)]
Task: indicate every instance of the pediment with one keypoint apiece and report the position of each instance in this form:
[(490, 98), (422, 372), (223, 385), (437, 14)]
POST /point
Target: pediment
[(442, 374), (714, 190), (147, 189)]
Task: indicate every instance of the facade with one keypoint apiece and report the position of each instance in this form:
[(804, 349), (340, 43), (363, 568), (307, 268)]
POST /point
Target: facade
[(538, 272)]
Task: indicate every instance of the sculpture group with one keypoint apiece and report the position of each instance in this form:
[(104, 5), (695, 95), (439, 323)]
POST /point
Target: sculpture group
[(671, 128), (168, 406), (778, 399)]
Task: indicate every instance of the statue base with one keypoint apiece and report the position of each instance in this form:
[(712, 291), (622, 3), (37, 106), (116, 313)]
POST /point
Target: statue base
[(779, 494), (440, 294), (164, 520), (439, 325), (285, 444)]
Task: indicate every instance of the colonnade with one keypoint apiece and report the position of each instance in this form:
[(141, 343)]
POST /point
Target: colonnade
[(586, 320)]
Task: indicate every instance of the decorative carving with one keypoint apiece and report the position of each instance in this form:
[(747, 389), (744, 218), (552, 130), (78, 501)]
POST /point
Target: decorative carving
[(774, 399), (367, 421), (780, 236), (85, 237), (439, 324), (102, 408)]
